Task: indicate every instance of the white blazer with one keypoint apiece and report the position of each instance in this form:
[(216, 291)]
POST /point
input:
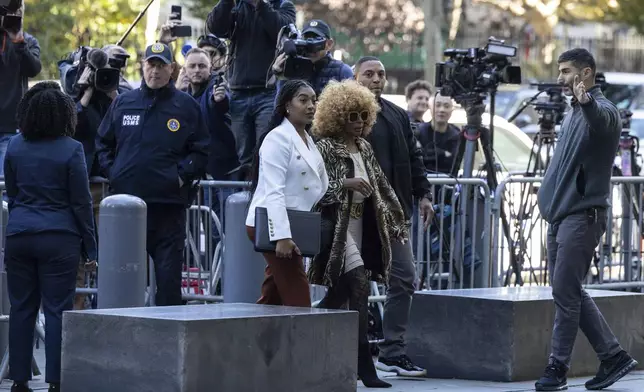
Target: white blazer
[(291, 176)]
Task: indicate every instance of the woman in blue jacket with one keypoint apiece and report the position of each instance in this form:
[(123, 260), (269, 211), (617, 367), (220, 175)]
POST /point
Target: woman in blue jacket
[(50, 227)]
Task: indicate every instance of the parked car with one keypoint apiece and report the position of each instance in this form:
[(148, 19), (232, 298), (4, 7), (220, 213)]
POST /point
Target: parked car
[(511, 145), (625, 90)]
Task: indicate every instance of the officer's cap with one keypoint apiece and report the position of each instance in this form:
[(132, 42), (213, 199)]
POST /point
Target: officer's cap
[(159, 51)]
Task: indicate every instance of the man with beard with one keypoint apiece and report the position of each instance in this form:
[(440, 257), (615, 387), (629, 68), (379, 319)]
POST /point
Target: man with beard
[(573, 198), (395, 148), (209, 89)]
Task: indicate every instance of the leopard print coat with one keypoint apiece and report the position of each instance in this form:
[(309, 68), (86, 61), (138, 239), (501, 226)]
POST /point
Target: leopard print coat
[(387, 219)]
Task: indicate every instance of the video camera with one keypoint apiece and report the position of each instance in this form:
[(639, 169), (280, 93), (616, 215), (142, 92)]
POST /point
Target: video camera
[(469, 74), (298, 49), (105, 72), (551, 110), (8, 20)]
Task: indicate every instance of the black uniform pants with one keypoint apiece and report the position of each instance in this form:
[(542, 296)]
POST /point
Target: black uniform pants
[(166, 237), (41, 268)]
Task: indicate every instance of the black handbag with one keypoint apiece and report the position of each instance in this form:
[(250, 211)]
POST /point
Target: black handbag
[(305, 230)]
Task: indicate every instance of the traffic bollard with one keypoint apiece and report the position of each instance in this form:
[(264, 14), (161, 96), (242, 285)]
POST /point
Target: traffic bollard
[(243, 267), (122, 256)]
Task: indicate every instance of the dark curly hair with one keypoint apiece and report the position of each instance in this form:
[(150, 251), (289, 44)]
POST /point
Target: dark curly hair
[(286, 94), (46, 112)]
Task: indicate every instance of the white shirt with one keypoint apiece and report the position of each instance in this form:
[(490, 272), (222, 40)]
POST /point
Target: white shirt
[(291, 176)]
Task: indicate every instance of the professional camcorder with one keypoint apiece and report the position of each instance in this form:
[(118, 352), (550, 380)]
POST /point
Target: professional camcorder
[(624, 114), (8, 20), (552, 109), (469, 74), (105, 72), (298, 49)]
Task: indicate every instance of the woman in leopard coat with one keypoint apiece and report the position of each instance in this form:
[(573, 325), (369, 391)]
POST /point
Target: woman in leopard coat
[(359, 207)]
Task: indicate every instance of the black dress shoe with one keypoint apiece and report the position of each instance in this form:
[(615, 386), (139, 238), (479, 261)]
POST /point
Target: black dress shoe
[(611, 370), (553, 379), (20, 387), (54, 387)]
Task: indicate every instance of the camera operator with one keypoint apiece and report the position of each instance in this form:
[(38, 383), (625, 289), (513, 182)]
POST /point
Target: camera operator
[(573, 198), (19, 61), (325, 67), (114, 52), (252, 27)]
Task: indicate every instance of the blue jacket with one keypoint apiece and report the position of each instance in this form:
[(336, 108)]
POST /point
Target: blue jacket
[(148, 140), (223, 154), (255, 37), (324, 71), (48, 189)]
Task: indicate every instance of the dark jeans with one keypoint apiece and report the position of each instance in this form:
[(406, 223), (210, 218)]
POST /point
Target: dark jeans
[(250, 112), (166, 238), (571, 244), (41, 268)]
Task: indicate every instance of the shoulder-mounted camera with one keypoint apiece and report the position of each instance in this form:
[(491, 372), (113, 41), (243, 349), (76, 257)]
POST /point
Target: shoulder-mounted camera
[(298, 49), (8, 19)]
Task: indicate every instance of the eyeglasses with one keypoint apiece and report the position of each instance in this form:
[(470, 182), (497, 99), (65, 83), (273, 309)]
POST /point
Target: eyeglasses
[(357, 116)]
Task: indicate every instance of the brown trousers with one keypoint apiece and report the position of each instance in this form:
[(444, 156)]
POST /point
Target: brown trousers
[(285, 281)]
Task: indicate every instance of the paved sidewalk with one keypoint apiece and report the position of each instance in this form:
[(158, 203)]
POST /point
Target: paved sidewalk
[(634, 382)]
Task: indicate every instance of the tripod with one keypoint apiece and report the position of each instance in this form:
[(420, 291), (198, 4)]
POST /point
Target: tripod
[(543, 146), (472, 132)]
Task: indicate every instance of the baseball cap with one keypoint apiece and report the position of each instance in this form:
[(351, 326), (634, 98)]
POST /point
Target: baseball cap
[(318, 27), (159, 51)]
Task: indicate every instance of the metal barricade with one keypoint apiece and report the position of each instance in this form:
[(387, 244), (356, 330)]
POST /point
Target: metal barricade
[(617, 261), (203, 268), (455, 251)]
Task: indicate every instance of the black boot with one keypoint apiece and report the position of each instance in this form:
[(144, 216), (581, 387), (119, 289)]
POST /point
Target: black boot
[(366, 369), (20, 387), (359, 300)]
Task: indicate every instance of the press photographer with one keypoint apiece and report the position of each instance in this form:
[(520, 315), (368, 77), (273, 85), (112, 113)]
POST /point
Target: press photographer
[(252, 26), (307, 56), (19, 61), (93, 78)]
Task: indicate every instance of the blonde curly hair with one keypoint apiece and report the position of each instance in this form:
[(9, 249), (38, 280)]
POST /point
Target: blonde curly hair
[(335, 103)]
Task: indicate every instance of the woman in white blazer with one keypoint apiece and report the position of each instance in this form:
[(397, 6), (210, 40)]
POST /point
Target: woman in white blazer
[(288, 173)]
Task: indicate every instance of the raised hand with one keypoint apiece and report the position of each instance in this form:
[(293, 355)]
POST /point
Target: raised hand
[(579, 89)]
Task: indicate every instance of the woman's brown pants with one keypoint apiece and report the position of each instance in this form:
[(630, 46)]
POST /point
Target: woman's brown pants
[(285, 281)]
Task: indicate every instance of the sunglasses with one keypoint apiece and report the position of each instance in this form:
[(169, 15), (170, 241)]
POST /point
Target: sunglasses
[(357, 116)]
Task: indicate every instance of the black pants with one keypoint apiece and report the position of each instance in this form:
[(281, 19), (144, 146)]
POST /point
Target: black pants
[(571, 244), (166, 239), (40, 268)]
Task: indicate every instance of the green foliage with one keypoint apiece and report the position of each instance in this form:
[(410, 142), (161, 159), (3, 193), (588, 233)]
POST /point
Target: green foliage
[(201, 8), (630, 12), (61, 26)]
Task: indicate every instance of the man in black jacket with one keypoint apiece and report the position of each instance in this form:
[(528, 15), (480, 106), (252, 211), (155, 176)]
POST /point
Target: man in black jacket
[(19, 61), (153, 144), (396, 150), (252, 27)]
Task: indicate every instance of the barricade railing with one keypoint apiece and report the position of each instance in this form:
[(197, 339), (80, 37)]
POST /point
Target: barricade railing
[(617, 260), (455, 251)]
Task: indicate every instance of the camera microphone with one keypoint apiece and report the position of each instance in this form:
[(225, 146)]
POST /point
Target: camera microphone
[(97, 58)]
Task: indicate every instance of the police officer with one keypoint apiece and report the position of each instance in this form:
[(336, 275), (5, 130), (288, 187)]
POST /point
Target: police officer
[(153, 143)]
